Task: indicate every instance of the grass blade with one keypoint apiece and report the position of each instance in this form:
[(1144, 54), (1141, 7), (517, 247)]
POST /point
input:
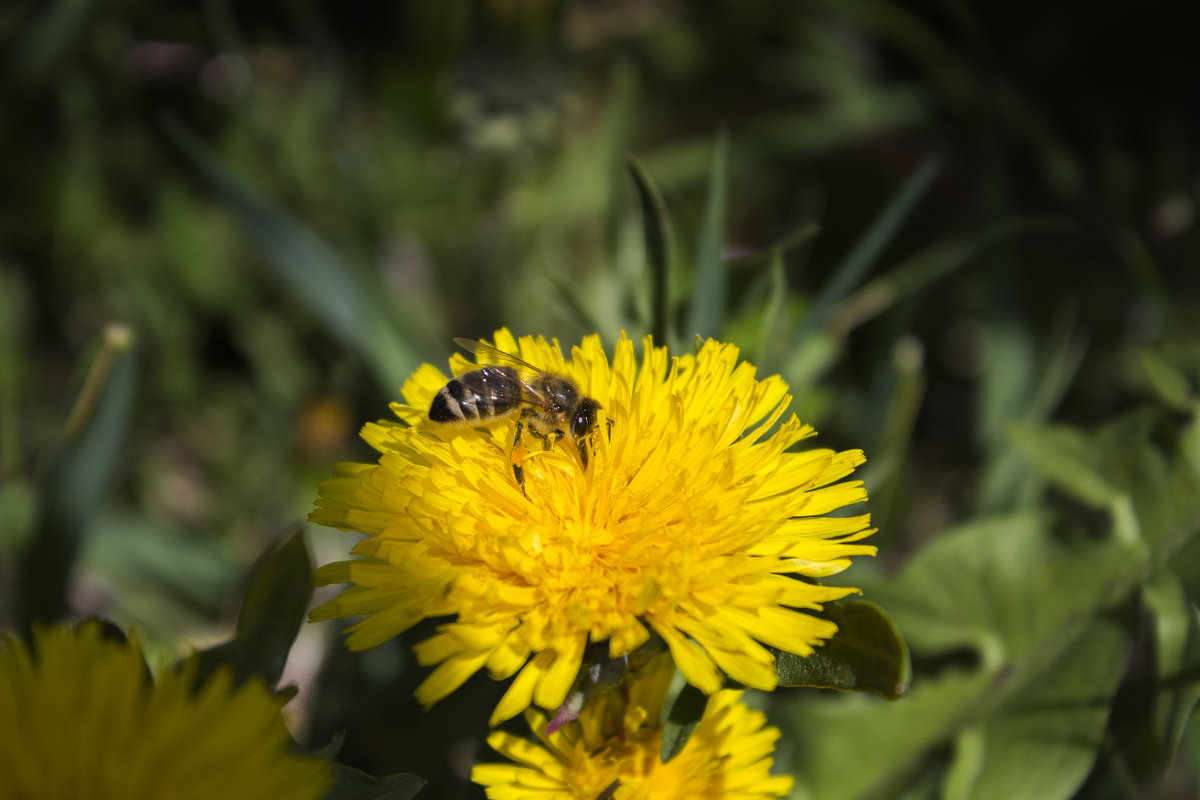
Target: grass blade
[(709, 290), (660, 249), (308, 267)]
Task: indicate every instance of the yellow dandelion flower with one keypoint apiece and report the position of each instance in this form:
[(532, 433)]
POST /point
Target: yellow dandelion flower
[(82, 719), (690, 521), (728, 755)]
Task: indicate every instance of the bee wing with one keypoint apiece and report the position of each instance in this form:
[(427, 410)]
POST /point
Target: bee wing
[(502, 359), (500, 386), (495, 354), (531, 393)]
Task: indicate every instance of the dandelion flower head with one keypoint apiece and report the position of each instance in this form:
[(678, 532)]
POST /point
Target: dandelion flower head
[(727, 757), (83, 719), (691, 521)]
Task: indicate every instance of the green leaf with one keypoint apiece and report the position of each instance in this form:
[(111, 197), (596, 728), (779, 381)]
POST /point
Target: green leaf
[(79, 473), (834, 730), (1169, 384), (1019, 607), (660, 249), (709, 290), (1002, 588), (1006, 588), (277, 594), (1177, 663), (686, 713), (1012, 391), (332, 747), (866, 654), (1189, 440), (353, 784), (1185, 688), (1043, 740), (1068, 459)]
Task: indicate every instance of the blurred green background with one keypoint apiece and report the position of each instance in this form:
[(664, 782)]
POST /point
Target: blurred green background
[(935, 219)]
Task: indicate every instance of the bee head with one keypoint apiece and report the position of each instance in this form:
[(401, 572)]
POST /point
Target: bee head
[(584, 419)]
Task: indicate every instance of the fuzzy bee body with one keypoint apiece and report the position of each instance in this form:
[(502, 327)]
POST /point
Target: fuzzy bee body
[(550, 405)]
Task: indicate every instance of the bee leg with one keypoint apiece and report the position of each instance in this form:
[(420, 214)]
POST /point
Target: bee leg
[(518, 470), (584, 444), (548, 439)]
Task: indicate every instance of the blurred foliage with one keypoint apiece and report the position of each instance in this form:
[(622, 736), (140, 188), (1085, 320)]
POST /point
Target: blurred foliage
[(965, 234)]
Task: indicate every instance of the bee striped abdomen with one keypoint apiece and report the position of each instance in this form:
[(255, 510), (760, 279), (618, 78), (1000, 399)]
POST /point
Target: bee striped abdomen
[(477, 396)]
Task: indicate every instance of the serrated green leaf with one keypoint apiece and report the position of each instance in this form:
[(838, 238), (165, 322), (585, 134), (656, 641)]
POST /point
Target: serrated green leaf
[(273, 607), (353, 784), (1000, 587), (866, 654), (709, 291), (686, 713), (79, 473), (660, 249), (1031, 598)]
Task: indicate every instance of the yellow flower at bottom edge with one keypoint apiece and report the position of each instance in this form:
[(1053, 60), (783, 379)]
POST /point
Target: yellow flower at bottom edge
[(82, 719), (691, 519), (728, 755)]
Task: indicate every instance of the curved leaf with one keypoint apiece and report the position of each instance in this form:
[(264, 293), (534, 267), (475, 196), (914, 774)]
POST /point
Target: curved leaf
[(353, 784), (660, 248), (277, 594), (866, 654), (709, 287)]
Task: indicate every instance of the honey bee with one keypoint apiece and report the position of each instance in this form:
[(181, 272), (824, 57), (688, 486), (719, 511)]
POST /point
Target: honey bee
[(550, 405)]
